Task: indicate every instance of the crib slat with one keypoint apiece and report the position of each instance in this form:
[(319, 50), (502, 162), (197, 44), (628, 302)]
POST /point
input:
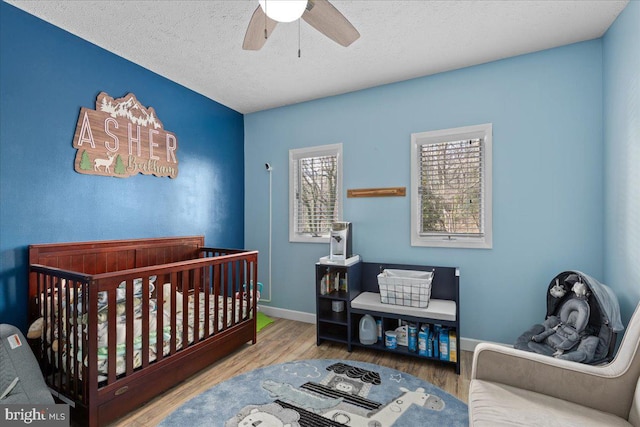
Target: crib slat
[(174, 314), (254, 306), (217, 269), (207, 301), (130, 320), (184, 286), (67, 333), (160, 297), (48, 319), (73, 336), (224, 293), (90, 373), (196, 307), (146, 313), (85, 346), (57, 300), (232, 292), (112, 337), (245, 292)]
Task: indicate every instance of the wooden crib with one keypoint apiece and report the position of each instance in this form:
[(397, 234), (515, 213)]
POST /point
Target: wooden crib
[(124, 320)]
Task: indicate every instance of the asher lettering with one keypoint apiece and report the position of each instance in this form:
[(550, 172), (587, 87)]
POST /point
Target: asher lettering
[(122, 138)]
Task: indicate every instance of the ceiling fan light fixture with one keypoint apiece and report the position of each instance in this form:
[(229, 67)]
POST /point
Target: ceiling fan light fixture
[(283, 10)]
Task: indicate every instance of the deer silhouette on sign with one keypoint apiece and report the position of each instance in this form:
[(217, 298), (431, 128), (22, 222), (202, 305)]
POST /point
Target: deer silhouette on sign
[(104, 162)]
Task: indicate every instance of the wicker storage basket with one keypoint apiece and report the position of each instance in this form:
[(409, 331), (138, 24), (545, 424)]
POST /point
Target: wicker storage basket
[(405, 287)]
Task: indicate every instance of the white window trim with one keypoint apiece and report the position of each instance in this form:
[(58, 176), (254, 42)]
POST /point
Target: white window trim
[(483, 131), (317, 151)]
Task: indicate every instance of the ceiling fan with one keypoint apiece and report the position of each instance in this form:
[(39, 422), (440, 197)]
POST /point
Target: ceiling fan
[(320, 14)]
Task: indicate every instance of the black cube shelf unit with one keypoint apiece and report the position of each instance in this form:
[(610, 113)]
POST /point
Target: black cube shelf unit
[(332, 325), (360, 296)]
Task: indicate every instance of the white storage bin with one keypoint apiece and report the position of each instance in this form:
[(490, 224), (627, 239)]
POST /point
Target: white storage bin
[(405, 287)]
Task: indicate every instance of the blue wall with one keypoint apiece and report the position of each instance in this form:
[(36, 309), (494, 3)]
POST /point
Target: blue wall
[(46, 76), (546, 110), (622, 156)]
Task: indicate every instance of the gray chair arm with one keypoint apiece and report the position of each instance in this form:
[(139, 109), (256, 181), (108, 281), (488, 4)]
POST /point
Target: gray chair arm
[(604, 387)]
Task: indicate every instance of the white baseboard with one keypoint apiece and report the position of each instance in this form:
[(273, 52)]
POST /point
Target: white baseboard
[(283, 313), (466, 344), (469, 344)]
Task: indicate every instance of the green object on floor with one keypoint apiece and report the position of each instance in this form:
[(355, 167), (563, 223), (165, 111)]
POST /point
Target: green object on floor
[(263, 320)]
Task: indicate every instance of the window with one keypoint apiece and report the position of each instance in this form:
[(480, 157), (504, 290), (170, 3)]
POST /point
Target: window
[(315, 186), (451, 187)]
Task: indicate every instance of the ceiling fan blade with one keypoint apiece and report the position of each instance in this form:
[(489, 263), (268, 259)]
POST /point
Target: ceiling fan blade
[(254, 39), (324, 17)]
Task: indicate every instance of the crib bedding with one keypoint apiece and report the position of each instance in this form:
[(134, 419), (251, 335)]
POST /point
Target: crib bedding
[(236, 308), (240, 312)]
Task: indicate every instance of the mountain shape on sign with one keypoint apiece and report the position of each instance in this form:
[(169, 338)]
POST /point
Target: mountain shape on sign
[(129, 108)]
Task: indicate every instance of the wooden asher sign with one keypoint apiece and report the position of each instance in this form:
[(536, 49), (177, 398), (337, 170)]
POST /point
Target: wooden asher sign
[(122, 138)]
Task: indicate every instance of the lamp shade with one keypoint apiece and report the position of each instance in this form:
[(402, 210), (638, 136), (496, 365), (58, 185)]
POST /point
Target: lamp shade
[(283, 10)]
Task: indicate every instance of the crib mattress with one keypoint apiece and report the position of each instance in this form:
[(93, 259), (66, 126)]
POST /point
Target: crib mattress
[(232, 305)]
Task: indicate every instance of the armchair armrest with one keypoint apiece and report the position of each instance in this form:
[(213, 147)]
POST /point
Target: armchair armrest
[(601, 387)]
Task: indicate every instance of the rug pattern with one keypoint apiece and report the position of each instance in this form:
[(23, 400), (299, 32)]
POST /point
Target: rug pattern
[(322, 392)]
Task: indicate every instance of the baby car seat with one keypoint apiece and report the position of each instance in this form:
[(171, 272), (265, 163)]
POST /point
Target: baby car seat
[(564, 333), (581, 323)]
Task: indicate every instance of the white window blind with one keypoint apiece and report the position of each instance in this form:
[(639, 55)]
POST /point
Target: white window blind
[(451, 200), (315, 186), (451, 188), (316, 206)]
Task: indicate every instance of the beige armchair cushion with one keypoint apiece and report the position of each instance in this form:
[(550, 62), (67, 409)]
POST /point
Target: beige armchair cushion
[(492, 404), (634, 414), (526, 388)]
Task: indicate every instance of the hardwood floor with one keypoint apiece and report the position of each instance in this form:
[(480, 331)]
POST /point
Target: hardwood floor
[(288, 340)]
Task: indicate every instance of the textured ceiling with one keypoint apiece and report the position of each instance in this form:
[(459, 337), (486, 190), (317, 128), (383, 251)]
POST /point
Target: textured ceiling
[(199, 43)]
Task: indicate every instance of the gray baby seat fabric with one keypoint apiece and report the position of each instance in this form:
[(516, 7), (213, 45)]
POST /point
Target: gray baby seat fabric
[(21, 381), (583, 317)]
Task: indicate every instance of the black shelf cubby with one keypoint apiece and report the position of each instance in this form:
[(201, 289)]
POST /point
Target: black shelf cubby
[(335, 284)]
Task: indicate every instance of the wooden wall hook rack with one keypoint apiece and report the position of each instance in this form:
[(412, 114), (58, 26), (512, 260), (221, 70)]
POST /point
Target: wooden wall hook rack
[(377, 192)]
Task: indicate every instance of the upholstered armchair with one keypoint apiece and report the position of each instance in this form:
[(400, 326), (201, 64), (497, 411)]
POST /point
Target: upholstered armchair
[(515, 387)]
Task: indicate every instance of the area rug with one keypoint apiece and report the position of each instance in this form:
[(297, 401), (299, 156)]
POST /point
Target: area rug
[(322, 392)]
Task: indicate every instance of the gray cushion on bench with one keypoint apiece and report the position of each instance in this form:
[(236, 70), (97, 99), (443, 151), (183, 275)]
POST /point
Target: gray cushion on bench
[(20, 362)]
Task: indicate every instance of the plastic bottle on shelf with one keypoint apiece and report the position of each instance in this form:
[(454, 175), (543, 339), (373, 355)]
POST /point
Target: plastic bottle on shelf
[(368, 330), (423, 341), (413, 338)]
